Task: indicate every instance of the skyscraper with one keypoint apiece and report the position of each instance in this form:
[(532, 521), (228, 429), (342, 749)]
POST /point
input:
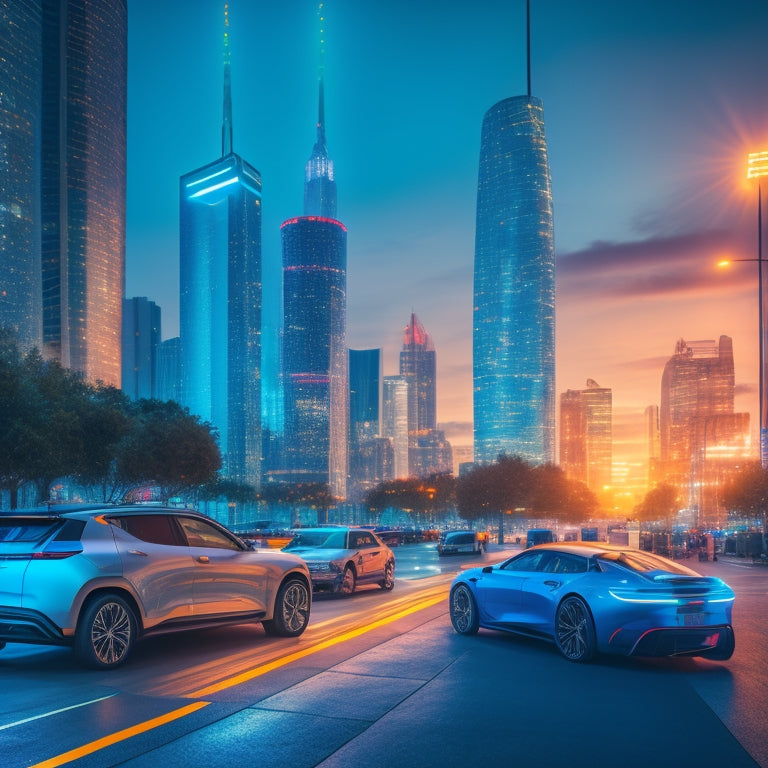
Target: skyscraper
[(220, 308), (394, 422), (702, 439), (83, 141), (141, 339), (62, 179), (586, 435), (315, 358), (514, 287), (21, 79)]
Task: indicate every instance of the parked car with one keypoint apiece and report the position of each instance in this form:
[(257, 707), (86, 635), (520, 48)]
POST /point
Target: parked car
[(460, 543), (589, 598), (341, 558), (99, 578)]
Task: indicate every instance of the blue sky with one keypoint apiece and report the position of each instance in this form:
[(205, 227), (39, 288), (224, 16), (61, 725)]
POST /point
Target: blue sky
[(650, 109)]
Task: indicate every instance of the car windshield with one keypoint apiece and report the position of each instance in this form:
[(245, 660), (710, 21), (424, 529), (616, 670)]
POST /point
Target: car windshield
[(318, 540), (644, 562), (26, 529)]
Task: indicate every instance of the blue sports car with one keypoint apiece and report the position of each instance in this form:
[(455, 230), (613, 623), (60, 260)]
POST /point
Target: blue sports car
[(592, 598)]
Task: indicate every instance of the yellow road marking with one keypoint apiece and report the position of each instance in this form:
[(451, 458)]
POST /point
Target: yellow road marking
[(126, 733), (282, 661)]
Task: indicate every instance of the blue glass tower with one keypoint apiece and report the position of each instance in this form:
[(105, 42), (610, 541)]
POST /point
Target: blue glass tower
[(220, 308), (514, 287), (315, 357)]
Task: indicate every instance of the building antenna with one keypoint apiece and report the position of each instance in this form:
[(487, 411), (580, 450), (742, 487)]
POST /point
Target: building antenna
[(226, 127), (321, 77), (528, 41)]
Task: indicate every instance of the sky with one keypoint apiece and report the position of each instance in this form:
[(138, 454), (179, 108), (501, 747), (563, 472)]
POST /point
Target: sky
[(650, 106)]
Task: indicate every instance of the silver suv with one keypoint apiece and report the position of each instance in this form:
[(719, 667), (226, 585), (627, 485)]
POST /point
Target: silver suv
[(99, 578)]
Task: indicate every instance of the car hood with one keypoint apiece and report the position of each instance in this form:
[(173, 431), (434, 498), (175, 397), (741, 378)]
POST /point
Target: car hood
[(319, 553)]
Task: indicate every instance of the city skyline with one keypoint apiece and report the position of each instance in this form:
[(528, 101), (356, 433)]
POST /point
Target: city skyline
[(643, 205)]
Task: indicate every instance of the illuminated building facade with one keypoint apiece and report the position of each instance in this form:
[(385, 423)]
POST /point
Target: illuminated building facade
[(514, 288), (168, 374), (141, 339), (221, 300), (315, 359), (586, 435), (83, 172), (21, 77), (394, 422), (702, 439)]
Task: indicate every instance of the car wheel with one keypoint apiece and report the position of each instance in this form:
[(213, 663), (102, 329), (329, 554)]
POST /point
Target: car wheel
[(463, 610), (347, 584), (105, 632), (388, 582), (574, 630), (291, 614)]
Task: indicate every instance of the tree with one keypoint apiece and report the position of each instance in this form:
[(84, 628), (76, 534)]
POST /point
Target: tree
[(554, 495), (168, 447), (430, 495), (660, 503), (747, 494), (495, 489)]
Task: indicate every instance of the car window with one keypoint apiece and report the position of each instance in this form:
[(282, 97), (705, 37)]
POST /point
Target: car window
[(562, 563), (27, 530), (201, 533), (154, 529), (361, 540), (643, 562), (528, 561)]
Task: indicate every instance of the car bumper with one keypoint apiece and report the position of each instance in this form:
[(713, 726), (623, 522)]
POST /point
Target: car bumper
[(714, 642), (21, 625)]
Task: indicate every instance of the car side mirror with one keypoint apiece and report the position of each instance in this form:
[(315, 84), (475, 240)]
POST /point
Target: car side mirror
[(488, 569)]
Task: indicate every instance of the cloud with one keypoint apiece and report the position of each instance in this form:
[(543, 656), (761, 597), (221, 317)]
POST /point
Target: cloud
[(680, 266)]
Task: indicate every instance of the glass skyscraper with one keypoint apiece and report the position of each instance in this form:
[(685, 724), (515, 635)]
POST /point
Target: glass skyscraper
[(514, 288), (83, 142), (141, 339), (21, 77), (315, 357), (220, 307)]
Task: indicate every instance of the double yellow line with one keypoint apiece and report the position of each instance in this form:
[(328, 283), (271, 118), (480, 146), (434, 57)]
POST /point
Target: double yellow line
[(148, 725)]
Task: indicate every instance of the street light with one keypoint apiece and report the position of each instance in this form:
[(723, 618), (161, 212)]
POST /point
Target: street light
[(757, 167)]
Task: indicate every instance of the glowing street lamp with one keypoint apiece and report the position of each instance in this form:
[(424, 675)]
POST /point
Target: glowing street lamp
[(757, 167)]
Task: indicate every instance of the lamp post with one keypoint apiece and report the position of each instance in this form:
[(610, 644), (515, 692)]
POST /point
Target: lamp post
[(757, 167)]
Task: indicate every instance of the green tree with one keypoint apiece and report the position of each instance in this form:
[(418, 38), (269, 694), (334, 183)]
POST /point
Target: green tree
[(554, 495), (167, 447)]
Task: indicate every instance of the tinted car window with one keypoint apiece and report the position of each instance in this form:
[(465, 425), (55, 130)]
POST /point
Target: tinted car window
[(642, 562), (562, 563), (155, 529), (528, 561), (201, 534), (29, 530)]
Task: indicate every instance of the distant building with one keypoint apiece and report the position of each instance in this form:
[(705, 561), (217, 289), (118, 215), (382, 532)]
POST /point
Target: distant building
[(221, 299), (514, 287), (702, 439), (653, 436), (314, 356), (394, 423), (586, 435), (365, 393), (141, 339), (168, 370)]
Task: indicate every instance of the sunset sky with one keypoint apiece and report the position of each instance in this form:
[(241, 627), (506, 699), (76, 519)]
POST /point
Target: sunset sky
[(651, 107)]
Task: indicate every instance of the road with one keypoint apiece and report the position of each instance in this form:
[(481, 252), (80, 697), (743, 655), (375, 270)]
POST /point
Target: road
[(381, 679)]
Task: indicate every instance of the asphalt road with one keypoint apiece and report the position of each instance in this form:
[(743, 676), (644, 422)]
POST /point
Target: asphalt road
[(381, 679)]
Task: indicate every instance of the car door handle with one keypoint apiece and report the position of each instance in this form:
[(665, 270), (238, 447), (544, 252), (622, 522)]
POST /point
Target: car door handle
[(137, 552), (203, 559), (552, 583)]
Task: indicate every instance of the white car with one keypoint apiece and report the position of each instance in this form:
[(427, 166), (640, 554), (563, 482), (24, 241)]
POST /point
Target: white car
[(98, 578)]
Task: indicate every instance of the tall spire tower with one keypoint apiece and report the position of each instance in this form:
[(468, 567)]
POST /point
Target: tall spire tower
[(226, 126), (513, 342), (319, 186)]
